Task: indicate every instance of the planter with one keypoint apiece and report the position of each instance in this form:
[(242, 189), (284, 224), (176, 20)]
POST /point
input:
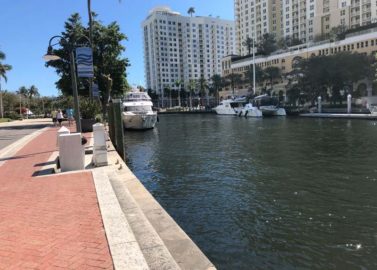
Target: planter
[(87, 125)]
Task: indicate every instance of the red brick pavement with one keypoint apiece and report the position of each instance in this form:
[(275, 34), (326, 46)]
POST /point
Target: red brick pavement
[(50, 222)]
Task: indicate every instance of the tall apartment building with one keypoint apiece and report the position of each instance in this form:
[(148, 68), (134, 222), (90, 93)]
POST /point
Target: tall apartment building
[(254, 18), (299, 19), (183, 48)]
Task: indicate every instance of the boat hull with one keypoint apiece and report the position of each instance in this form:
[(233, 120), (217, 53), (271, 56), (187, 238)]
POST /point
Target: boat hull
[(273, 111), (139, 121)]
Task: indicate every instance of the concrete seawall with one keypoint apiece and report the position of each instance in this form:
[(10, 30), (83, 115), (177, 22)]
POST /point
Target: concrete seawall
[(157, 241)]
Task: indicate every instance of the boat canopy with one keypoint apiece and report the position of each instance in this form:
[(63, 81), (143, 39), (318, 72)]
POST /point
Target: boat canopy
[(265, 100), (138, 96)]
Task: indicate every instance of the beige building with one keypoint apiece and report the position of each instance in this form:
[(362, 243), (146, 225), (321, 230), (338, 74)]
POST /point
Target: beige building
[(253, 18), (364, 43), (302, 20)]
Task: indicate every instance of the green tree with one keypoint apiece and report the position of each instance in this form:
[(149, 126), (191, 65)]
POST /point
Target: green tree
[(107, 60), (272, 73), (217, 84), (267, 45), (248, 43), (259, 76), (191, 87), (233, 79), (167, 89), (203, 88), (334, 73), (178, 84), (191, 11), (4, 68)]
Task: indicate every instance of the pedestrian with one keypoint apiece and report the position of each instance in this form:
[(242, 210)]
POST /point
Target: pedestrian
[(70, 116), (59, 117), (53, 115)]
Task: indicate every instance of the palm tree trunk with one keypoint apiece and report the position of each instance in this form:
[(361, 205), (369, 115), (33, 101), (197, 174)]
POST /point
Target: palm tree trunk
[(190, 101), (170, 99), (179, 98)]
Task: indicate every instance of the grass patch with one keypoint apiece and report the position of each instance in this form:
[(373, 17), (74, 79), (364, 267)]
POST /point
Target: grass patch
[(2, 120)]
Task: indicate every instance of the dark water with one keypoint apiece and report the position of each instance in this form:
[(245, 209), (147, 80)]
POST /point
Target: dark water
[(273, 193)]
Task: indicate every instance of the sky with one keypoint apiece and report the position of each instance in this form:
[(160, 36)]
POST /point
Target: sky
[(27, 26)]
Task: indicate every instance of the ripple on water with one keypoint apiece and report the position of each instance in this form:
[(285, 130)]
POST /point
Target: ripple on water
[(269, 194)]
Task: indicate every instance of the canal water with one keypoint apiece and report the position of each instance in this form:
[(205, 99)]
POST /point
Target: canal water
[(272, 193)]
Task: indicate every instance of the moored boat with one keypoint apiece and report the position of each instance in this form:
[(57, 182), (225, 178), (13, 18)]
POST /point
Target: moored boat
[(268, 105), (137, 111)]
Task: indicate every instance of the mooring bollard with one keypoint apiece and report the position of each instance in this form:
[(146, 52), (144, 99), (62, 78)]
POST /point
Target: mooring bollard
[(61, 131), (319, 104), (71, 152), (99, 145), (349, 103)]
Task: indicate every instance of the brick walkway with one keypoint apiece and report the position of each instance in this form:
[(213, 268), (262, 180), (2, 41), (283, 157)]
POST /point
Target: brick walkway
[(49, 222)]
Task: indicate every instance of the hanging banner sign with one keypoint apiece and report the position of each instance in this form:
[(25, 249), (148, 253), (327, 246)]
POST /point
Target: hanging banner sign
[(84, 61)]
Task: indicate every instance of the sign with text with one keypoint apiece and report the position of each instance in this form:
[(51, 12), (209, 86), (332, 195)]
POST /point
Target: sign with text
[(84, 61)]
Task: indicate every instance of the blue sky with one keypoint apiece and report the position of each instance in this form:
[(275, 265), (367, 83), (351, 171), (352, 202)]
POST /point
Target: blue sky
[(26, 27)]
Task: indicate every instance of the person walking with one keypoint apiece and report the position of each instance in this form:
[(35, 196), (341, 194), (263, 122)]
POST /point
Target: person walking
[(53, 116), (59, 117)]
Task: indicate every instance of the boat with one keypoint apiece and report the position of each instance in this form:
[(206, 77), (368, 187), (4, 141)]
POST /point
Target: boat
[(250, 111), (230, 106), (268, 105), (137, 111)]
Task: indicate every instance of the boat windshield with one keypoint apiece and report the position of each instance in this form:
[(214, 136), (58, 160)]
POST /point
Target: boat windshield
[(137, 108), (265, 101), (237, 104), (137, 96)]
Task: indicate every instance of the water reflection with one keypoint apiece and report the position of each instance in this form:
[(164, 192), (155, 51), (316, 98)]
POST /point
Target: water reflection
[(274, 193)]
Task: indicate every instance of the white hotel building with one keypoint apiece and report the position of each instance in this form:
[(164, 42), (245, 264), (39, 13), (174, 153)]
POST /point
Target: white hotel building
[(183, 48)]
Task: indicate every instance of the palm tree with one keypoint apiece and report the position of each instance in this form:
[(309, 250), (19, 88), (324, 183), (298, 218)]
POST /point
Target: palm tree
[(178, 83), (4, 68), (168, 89), (217, 83), (191, 87), (248, 43), (259, 76), (191, 10), (272, 73), (203, 88), (233, 79)]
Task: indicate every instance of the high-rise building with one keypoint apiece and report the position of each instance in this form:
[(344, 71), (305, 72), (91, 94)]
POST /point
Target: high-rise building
[(180, 48), (254, 18), (300, 20)]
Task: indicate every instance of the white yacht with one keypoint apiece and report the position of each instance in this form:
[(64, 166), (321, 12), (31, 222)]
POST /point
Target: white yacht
[(268, 105), (230, 106), (250, 111), (137, 111)]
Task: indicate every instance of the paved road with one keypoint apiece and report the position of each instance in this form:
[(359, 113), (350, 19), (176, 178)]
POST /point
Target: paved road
[(13, 131)]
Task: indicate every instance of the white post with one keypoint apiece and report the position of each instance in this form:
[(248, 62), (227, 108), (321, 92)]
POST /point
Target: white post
[(349, 100), (319, 104), (99, 146)]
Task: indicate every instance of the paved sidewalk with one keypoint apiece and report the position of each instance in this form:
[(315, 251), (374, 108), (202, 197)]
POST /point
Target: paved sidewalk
[(49, 222)]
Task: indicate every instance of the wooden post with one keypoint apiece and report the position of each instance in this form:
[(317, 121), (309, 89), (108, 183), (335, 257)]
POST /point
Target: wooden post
[(118, 124), (110, 113)]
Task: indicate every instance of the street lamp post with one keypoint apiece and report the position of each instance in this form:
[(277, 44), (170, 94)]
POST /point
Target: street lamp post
[(51, 57)]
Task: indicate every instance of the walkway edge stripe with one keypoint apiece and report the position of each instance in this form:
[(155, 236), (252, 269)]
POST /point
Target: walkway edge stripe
[(124, 248), (13, 148)]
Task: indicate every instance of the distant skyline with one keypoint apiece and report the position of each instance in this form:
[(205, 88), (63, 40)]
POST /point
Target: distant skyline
[(28, 25)]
